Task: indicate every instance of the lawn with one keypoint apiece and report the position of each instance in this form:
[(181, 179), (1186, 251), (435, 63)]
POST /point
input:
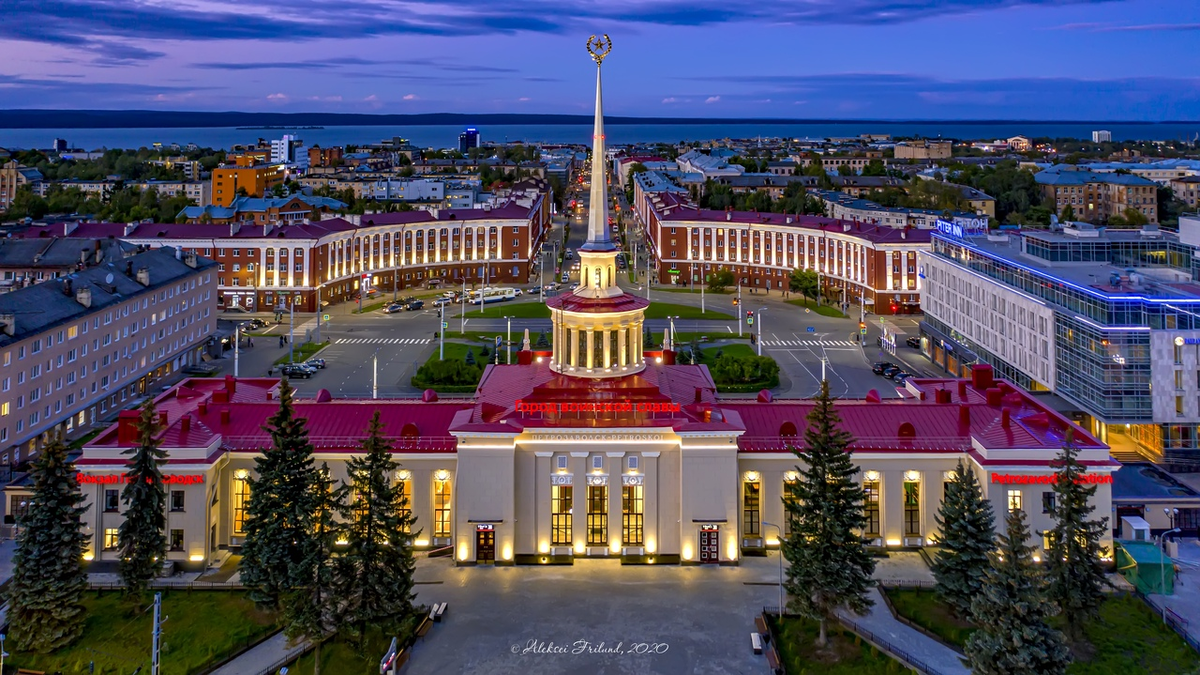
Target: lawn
[(684, 338), (203, 627), (490, 337), (371, 307), (345, 657), (823, 310), (1126, 637), (662, 310), (520, 310), (303, 352), (846, 654)]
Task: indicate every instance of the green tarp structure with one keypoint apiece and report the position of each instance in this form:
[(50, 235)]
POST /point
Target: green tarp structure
[(1145, 566)]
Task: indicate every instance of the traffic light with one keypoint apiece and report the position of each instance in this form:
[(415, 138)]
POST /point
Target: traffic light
[(894, 308), (735, 302), (862, 325)]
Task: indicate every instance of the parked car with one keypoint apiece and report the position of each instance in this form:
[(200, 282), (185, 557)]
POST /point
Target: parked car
[(315, 362), (901, 378), (881, 366), (296, 370), (414, 305), (891, 371), (393, 308), (914, 342), (566, 277), (257, 323), (441, 302)]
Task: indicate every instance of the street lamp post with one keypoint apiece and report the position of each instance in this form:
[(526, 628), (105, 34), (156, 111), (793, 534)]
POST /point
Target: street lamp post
[(739, 304), (508, 342), (780, 531), (758, 320), (1162, 538), (237, 337)]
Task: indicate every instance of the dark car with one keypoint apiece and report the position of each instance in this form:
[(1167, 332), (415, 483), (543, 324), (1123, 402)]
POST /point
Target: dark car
[(314, 362), (393, 308), (414, 305), (881, 366), (901, 377), (914, 342), (891, 371), (295, 370), (257, 323)]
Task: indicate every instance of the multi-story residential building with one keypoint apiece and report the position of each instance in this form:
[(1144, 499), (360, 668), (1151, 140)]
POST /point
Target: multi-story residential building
[(924, 150), (256, 180), (76, 347), (855, 261), (764, 182), (857, 186), (14, 176), (1102, 136), (832, 163), (1096, 197), (1094, 316), (468, 139), (1161, 171), (271, 266), (331, 156), (1187, 190), (191, 168), (275, 210), (847, 207), (24, 262), (195, 190)]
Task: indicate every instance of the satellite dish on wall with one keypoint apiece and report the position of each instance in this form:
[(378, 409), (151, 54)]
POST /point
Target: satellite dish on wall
[(108, 278)]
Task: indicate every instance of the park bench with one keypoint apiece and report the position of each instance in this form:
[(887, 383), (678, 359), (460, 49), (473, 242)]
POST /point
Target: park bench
[(438, 611), (773, 661), (760, 625), (425, 625), (756, 643)]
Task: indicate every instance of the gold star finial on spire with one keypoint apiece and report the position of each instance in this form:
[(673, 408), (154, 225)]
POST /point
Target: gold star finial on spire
[(599, 47)]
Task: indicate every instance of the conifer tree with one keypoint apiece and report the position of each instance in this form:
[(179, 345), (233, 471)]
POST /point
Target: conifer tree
[(310, 608), (968, 536), (470, 357), (141, 538), (375, 570), (46, 596), (1011, 611), (542, 341), (1073, 565), (829, 566), (279, 511)]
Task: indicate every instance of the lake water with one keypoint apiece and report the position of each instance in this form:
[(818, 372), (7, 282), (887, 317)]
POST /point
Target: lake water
[(447, 135)]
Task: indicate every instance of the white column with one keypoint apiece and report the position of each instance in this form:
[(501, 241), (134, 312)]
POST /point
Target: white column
[(574, 346), (591, 349), (622, 353), (605, 335)]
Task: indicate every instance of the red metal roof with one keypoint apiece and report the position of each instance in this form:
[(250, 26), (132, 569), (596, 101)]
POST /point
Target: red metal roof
[(583, 304)]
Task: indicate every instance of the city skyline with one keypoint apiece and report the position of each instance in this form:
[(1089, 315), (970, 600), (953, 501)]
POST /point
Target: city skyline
[(866, 59)]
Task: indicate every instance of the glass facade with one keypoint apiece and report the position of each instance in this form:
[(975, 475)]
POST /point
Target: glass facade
[(597, 515), (871, 508), (912, 509), (241, 495), (632, 514), (751, 503), (441, 508)]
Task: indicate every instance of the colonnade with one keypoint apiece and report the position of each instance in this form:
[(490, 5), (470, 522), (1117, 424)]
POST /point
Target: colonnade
[(598, 347)]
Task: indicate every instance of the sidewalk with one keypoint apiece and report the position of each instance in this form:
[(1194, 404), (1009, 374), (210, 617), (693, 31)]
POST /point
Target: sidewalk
[(264, 658), (932, 653)]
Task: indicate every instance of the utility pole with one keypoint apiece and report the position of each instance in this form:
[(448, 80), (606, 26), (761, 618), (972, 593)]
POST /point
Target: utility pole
[(739, 304), (508, 343), (701, 298), (758, 320), (462, 314), (318, 312), (375, 375), (237, 338), (441, 335), (156, 634)]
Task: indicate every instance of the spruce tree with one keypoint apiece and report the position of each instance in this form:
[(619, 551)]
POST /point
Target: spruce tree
[(968, 536), (470, 357), (142, 538), (1073, 564), (310, 608), (376, 566), (829, 566), (1011, 611), (46, 595), (542, 341), (279, 512)]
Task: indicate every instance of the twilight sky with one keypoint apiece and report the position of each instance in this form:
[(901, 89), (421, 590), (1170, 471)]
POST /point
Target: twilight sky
[(847, 59)]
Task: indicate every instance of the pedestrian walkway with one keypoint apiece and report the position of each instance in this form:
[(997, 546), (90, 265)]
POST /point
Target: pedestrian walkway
[(809, 343), (933, 655), (264, 658), (382, 341)]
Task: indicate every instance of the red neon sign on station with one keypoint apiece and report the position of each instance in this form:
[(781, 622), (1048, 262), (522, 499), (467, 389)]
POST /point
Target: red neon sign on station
[(1024, 479)]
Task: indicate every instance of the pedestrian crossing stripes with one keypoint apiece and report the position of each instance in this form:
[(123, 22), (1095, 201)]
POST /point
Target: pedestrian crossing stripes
[(809, 343), (382, 341)]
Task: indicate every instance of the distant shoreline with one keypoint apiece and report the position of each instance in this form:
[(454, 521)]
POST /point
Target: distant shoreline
[(148, 119), (276, 128)]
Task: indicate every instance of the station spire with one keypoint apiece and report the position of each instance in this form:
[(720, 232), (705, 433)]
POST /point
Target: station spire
[(597, 236)]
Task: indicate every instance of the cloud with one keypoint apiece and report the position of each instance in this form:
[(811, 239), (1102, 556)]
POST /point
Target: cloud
[(523, 99), (712, 99), (372, 97), (407, 97), (670, 99), (1117, 28)]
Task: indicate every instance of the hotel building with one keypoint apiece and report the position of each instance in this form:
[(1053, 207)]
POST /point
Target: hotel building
[(1109, 320), (667, 471), (75, 347)]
